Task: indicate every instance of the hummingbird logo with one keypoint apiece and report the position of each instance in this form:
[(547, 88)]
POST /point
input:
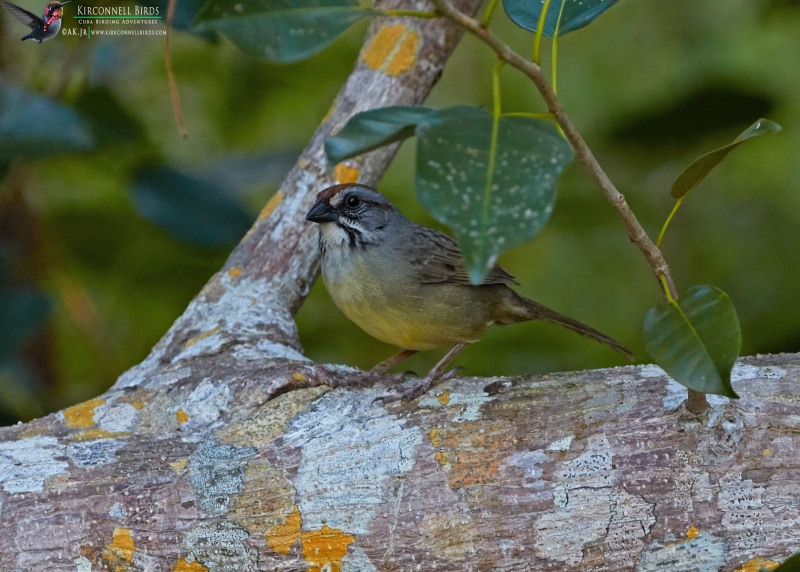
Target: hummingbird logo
[(44, 28)]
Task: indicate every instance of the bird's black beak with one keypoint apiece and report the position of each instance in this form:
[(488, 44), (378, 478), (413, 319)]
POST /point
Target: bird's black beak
[(322, 212)]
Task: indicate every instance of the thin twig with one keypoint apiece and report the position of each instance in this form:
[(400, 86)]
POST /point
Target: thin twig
[(175, 97), (584, 155)]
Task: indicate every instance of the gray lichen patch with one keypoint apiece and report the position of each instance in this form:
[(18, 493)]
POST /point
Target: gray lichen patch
[(350, 450), (701, 554), (217, 473), (221, 546), (85, 454), (26, 464)]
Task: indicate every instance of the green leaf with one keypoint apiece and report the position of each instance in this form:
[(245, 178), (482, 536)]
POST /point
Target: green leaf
[(576, 14), (34, 126), (791, 564), (280, 30), (489, 212), (696, 340), (190, 209), (698, 170), (372, 129)]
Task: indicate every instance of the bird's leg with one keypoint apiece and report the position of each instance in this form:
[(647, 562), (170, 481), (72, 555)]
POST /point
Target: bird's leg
[(387, 364), (417, 387), (439, 368)]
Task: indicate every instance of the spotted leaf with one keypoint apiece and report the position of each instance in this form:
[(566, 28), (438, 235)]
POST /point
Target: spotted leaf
[(493, 196), (576, 14)]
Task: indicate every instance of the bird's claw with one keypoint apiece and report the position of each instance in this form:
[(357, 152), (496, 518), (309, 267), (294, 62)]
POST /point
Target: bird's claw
[(411, 389)]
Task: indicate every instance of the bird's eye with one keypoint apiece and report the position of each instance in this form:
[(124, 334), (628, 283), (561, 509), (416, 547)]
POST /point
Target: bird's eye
[(352, 201)]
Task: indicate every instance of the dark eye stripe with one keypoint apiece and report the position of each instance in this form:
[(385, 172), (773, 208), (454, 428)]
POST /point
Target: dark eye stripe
[(354, 236)]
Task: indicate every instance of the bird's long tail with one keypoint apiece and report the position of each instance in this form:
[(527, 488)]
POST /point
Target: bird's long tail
[(526, 309)]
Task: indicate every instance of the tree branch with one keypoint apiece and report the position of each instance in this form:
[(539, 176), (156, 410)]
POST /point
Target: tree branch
[(575, 471)]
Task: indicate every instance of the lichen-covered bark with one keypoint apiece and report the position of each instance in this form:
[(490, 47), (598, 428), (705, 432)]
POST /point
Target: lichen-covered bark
[(597, 470), (223, 451)]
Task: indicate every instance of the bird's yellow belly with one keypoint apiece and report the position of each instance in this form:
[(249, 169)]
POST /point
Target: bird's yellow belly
[(409, 324)]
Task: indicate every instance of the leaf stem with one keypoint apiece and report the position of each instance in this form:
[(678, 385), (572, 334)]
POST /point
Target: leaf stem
[(670, 298), (554, 54), (583, 153), (487, 16), (666, 222), (412, 13), (537, 41)]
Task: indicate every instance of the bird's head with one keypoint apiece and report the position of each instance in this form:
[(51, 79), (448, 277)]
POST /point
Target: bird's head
[(355, 214), (54, 10)]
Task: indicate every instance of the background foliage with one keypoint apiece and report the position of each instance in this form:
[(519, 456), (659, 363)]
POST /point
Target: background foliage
[(112, 222)]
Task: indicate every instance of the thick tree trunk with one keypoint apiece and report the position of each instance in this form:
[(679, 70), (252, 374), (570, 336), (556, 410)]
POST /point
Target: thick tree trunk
[(223, 451)]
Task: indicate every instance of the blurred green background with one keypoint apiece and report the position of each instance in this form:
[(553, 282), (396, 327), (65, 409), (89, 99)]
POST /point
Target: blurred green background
[(110, 222)]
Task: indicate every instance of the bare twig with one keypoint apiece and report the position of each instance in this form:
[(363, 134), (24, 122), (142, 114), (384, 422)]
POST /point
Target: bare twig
[(175, 97), (584, 155)]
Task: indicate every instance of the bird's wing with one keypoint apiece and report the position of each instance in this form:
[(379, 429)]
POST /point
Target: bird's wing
[(21, 14), (438, 259)]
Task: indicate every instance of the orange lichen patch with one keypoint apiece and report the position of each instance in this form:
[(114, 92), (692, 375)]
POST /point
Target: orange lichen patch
[(443, 438), (281, 538), (756, 564), (179, 465), (183, 566), (82, 415), (91, 434), (299, 377), (120, 550), (198, 337), (767, 452), (693, 532), (393, 50), (469, 455), (271, 206), (472, 468), (324, 549), (181, 416), (138, 405), (444, 398), (406, 55), (235, 272), (345, 173), (382, 45)]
